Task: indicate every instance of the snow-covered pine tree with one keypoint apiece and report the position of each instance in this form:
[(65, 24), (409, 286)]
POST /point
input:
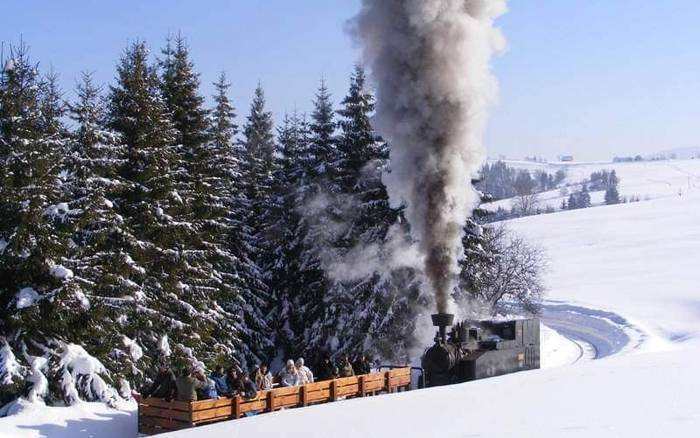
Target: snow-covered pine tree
[(156, 241), (228, 181), (286, 270), (259, 166), (100, 264), (374, 313), (203, 192), (316, 191), (43, 304)]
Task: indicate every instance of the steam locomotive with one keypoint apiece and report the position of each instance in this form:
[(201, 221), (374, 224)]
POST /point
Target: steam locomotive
[(479, 349)]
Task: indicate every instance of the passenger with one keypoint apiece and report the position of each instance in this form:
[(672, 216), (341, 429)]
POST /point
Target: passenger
[(164, 384), (305, 374), (232, 380), (263, 378), (219, 378), (345, 367), (326, 370), (247, 388), (188, 384), (209, 391), (289, 376), (362, 365)]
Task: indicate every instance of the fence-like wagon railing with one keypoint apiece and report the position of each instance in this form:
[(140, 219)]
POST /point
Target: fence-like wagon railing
[(160, 416)]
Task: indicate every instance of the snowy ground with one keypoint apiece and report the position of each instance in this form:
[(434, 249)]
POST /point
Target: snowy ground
[(623, 285), (85, 420)]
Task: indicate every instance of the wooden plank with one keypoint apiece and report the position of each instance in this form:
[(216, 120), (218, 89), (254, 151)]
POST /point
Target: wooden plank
[(374, 386), (175, 405), (345, 391), (270, 401), (209, 404), (334, 390), (287, 401), (316, 396), (150, 411), (303, 398), (237, 407), (288, 390), (224, 411), (344, 381), (252, 406), (318, 386), (361, 384), (212, 420)]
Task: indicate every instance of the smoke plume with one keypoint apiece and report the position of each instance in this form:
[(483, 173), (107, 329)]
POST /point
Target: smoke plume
[(430, 61)]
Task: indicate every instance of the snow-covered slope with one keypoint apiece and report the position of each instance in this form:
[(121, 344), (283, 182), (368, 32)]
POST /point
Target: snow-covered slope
[(643, 180), (646, 179)]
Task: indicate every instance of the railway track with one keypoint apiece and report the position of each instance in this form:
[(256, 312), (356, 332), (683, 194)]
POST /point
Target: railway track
[(598, 333)]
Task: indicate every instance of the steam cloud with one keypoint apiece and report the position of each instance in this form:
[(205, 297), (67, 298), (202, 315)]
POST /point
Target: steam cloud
[(430, 60)]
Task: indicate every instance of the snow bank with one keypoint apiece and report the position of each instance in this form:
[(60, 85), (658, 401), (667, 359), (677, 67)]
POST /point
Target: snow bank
[(94, 420)]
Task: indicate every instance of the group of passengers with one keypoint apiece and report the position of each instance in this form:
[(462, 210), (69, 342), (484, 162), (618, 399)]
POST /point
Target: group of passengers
[(192, 385)]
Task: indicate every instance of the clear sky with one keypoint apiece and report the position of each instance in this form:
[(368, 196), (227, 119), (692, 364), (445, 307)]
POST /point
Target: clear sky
[(591, 78)]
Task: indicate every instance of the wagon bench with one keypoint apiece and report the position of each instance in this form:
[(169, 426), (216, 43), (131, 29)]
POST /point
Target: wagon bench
[(160, 416)]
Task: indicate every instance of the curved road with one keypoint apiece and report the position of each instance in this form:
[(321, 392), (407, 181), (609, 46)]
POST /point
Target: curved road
[(606, 333)]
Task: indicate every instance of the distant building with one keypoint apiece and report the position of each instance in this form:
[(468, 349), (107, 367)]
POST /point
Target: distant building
[(566, 158)]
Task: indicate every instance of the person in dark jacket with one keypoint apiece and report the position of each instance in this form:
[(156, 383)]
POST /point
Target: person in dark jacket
[(233, 379), (326, 369), (163, 386), (247, 388), (219, 377), (362, 365), (345, 367), (188, 383)]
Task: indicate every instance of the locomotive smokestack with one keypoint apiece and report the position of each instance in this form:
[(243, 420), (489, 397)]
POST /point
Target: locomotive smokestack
[(442, 321)]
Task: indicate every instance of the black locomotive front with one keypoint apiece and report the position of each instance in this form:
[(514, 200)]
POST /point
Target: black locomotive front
[(478, 349)]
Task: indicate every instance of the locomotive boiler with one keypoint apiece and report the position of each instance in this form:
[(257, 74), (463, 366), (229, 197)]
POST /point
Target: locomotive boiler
[(478, 349)]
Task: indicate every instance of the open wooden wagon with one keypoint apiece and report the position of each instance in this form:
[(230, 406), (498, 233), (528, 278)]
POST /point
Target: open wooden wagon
[(160, 416)]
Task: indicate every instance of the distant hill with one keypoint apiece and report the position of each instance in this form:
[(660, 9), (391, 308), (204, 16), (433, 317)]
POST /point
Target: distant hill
[(678, 153)]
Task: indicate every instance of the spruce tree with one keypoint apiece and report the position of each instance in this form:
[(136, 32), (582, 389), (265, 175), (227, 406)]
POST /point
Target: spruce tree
[(287, 273), (167, 297), (235, 263), (203, 191), (93, 185), (372, 313), (45, 304), (316, 191), (258, 166)]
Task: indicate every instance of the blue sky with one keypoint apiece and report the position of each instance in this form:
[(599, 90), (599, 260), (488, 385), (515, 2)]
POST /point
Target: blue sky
[(589, 77)]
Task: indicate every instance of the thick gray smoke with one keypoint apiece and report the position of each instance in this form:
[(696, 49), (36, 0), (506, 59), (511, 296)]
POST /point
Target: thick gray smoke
[(430, 61)]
